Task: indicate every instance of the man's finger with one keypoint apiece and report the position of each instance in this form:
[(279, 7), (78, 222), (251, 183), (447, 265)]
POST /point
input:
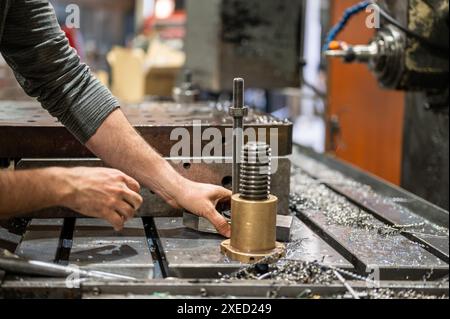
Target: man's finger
[(132, 198), (132, 184), (116, 220), (125, 210), (220, 223), (223, 199), (223, 193)]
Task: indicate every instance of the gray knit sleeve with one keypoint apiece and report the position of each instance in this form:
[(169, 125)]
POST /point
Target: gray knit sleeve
[(50, 70)]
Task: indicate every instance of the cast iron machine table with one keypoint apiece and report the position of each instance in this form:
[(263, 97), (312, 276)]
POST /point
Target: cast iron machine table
[(350, 229)]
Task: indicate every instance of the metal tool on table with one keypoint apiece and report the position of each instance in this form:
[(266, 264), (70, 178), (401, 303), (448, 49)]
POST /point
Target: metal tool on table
[(10, 262), (254, 210)]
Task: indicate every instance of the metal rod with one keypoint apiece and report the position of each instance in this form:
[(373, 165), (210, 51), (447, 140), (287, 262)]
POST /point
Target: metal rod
[(346, 285), (14, 264), (238, 111), (238, 93)]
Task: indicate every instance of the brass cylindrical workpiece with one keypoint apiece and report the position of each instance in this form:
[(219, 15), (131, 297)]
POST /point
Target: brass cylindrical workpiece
[(254, 210), (253, 224)]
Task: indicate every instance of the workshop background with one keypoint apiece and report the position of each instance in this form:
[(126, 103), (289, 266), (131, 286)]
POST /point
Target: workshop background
[(335, 107)]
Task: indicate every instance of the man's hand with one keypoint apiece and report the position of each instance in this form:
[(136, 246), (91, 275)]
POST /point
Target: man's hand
[(116, 137), (202, 199), (94, 192), (100, 192)]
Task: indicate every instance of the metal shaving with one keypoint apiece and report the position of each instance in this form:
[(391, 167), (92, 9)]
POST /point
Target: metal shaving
[(314, 273), (311, 195), (326, 175), (303, 272), (401, 294), (397, 229), (291, 271)]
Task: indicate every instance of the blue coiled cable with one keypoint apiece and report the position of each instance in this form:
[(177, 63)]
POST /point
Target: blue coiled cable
[(350, 12)]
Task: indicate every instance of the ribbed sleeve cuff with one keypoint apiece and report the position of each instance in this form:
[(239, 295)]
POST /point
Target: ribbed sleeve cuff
[(90, 111)]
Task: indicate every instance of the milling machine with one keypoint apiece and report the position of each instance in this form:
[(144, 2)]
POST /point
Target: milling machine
[(409, 52)]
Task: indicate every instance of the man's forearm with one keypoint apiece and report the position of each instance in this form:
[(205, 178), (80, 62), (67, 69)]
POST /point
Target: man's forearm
[(110, 194), (25, 191), (119, 145), (93, 192)]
